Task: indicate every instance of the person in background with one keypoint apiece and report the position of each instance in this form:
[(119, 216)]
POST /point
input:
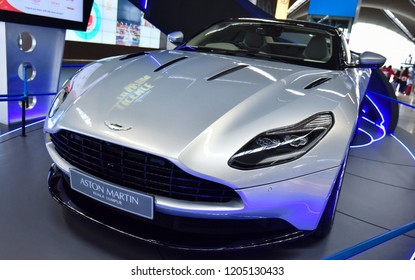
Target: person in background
[(389, 73), (404, 80), (398, 73), (410, 86), (396, 79)]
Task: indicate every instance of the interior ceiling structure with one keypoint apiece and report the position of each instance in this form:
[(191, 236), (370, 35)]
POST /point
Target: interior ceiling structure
[(191, 16), (375, 12)]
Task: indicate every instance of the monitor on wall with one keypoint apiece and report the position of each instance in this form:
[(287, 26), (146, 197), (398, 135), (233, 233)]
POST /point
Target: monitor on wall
[(65, 14)]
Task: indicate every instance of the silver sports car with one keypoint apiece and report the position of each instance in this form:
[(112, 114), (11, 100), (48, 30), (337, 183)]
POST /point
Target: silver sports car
[(237, 138)]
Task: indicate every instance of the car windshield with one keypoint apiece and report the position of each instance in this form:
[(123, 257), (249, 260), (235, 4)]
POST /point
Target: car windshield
[(274, 41)]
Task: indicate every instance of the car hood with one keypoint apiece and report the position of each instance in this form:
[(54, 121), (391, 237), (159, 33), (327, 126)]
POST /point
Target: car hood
[(163, 102)]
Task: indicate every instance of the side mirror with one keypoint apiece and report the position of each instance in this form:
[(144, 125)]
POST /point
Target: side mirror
[(371, 59), (176, 37)]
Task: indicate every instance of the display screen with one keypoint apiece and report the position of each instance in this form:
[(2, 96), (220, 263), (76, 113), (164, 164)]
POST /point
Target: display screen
[(67, 14), (101, 26), (117, 23), (333, 8)]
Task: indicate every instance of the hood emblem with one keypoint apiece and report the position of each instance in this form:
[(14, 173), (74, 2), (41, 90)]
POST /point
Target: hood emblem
[(116, 126)]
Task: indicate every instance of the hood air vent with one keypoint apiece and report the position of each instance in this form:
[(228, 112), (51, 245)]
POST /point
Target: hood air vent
[(170, 63), (226, 72), (133, 55), (317, 82)]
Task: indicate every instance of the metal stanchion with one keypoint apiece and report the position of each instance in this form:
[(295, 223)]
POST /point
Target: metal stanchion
[(24, 99)]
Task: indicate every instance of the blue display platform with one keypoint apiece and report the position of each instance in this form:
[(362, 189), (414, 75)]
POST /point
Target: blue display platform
[(377, 196)]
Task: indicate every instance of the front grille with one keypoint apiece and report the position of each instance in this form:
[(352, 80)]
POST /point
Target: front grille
[(136, 170)]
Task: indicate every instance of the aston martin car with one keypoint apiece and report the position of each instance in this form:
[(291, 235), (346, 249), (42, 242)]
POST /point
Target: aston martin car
[(236, 138)]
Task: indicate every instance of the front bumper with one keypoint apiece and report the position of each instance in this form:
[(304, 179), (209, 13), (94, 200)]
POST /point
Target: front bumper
[(174, 231)]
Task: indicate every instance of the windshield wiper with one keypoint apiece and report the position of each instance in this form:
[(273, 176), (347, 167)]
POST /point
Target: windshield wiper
[(266, 56), (209, 49)]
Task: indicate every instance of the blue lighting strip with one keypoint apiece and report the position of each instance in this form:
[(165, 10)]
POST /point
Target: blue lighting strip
[(413, 257), (403, 145), (16, 97), (18, 129), (394, 100), (373, 242), (380, 126), (367, 144), (372, 140)]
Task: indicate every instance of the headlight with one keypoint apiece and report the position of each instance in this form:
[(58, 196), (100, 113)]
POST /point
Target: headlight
[(282, 145), (60, 97)]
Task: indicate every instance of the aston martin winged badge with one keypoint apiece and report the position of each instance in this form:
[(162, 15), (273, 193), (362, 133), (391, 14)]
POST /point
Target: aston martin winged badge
[(116, 126)]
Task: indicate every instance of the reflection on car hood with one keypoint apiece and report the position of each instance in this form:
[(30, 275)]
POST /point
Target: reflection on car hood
[(161, 101)]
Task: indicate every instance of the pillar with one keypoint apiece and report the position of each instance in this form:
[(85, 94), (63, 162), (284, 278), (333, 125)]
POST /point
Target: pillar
[(41, 49)]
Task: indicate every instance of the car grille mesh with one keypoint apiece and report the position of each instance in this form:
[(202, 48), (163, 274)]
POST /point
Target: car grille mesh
[(136, 170)]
